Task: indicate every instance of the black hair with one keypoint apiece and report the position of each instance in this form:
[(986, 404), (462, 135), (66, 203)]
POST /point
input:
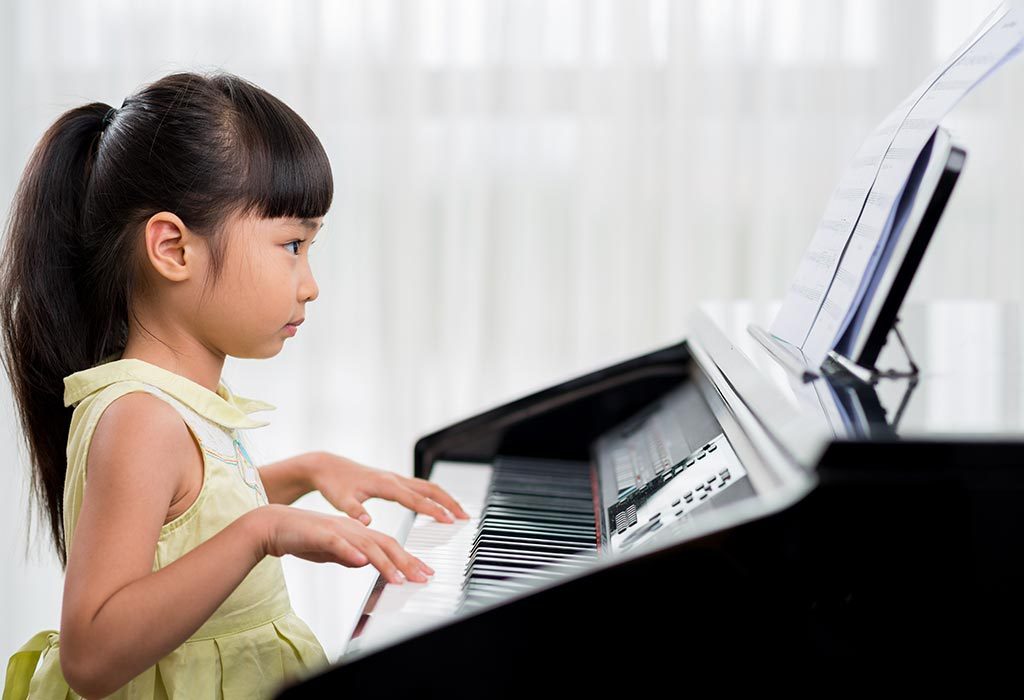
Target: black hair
[(204, 147)]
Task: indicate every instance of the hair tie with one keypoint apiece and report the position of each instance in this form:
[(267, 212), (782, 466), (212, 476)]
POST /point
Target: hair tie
[(109, 117)]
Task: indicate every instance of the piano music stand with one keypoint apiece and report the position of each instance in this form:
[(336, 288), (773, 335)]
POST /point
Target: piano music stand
[(917, 215)]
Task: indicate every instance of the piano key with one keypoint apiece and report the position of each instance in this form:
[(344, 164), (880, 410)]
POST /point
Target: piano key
[(531, 521)]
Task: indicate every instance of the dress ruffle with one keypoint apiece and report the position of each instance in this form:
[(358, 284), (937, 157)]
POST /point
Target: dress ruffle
[(260, 660)]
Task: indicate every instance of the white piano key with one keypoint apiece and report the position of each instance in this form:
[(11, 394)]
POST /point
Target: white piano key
[(535, 529), (445, 547)]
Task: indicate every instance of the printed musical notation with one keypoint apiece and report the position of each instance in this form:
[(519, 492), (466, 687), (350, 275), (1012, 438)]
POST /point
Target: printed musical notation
[(836, 270)]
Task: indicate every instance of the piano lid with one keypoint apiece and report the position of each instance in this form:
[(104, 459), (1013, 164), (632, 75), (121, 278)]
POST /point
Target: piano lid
[(969, 386)]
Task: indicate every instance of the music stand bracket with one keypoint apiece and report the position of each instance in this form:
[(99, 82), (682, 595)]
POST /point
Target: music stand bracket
[(917, 215), (789, 356), (873, 374)]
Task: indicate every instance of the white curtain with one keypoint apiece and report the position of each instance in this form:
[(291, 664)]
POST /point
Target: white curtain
[(525, 190)]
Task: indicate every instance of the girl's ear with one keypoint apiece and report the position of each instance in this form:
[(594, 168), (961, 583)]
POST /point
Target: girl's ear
[(171, 248)]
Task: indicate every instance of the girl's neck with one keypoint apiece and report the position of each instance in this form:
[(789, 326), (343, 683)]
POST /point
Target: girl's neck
[(195, 363)]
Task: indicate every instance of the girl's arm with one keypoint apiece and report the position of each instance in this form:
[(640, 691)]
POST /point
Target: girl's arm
[(119, 616), (289, 479), (346, 484)]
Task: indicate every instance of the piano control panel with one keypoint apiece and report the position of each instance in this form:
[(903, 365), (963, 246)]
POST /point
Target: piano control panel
[(535, 520), (661, 466)]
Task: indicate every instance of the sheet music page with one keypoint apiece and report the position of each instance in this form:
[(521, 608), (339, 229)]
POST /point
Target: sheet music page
[(859, 261), (925, 175), (830, 278)]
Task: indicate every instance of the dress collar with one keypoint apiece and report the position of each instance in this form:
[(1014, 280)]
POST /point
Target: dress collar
[(223, 407)]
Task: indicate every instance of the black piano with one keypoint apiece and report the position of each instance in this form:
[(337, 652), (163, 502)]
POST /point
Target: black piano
[(700, 498)]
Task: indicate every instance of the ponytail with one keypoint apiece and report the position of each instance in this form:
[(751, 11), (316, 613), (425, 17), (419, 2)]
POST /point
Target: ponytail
[(42, 322), (202, 147)]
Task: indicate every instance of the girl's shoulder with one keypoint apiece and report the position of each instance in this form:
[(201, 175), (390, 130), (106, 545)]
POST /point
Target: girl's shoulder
[(139, 421), (90, 411), (223, 407)]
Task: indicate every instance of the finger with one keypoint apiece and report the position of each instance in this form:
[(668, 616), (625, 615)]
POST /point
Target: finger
[(413, 567), (348, 554), (380, 560), (332, 546), (429, 488), (422, 504), (356, 511), (397, 491)]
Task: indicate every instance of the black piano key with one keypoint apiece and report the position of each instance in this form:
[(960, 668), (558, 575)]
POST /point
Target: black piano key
[(503, 523), (514, 566), (537, 533), (537, 523), (568, 516), (530, 544), (511, 555)]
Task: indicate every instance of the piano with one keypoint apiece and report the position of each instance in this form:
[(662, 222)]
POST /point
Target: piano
[(699, 501)]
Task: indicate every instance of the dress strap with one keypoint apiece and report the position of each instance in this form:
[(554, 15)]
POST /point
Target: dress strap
[(22, 665)]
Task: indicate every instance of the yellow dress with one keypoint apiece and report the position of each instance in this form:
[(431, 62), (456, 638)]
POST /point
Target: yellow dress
[(254, 642)]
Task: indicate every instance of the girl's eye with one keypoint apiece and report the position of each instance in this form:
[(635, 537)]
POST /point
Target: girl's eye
[(296, 243)]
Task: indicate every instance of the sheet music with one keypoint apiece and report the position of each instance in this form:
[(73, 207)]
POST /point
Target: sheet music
[(908, 213), (859, 262), (836, 269)]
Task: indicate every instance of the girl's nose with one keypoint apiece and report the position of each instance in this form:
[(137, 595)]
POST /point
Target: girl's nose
[(308, 290)]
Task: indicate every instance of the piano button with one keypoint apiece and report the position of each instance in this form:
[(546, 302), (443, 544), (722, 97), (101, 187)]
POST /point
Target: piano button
[(689, 499), (690, 463), (702, 455), (622, 530), (709, 446), (656, 515), (675, 503), (703, 496), (678, 513)]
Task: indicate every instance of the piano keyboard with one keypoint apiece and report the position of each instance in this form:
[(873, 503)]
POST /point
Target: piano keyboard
[(530, 521)]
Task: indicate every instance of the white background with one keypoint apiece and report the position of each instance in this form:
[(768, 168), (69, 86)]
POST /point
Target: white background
[(525, 191)]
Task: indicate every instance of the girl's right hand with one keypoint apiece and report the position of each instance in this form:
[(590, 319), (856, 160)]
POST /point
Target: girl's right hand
[(330, 538)]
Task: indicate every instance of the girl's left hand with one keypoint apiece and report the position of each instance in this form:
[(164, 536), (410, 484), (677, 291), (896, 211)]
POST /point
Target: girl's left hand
[(346, 484)]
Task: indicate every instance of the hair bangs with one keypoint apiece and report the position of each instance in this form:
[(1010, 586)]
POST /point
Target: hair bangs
[(286, 172)]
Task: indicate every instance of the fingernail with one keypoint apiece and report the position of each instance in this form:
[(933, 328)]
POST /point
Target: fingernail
[(427, 569), (364, 519), (397, 578)]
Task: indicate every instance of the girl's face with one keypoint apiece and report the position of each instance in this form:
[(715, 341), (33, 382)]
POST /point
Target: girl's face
[(264, 286)]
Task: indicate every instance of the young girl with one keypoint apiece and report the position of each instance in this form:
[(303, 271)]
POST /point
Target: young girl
[(145, 245)]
